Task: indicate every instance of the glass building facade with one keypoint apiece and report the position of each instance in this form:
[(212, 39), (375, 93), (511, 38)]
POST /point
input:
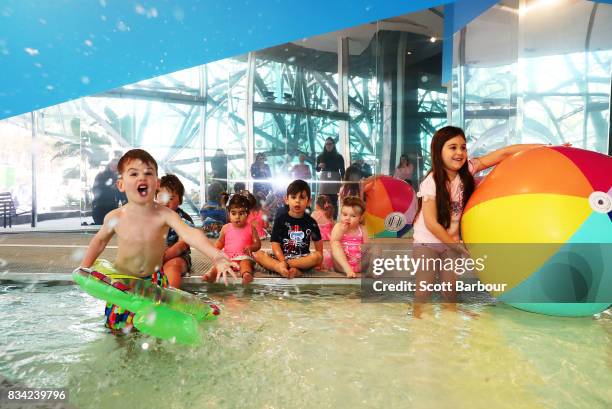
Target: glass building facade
[(521, 73)]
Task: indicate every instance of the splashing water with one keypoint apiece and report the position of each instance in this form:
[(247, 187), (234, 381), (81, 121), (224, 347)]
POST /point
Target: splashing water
[(31, 51), (163, 198), (112, 223), (77, 255), (321, 348)]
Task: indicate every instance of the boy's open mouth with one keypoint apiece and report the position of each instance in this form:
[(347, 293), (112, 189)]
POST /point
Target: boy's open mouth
[(143, 190)]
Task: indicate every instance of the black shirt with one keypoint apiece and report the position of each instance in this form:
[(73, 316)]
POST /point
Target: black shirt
[(172, 236), (294, 234)]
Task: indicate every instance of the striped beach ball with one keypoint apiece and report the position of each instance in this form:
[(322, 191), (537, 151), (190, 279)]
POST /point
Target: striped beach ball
[(390, 206), (543, 221)]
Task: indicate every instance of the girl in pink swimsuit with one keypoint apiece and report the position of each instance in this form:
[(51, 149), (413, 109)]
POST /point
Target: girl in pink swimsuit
[(347, 237), (256, 216), (324, 215), (238, 239)]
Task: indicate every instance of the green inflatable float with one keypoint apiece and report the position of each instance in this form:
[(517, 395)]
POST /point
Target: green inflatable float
[(164, 313)]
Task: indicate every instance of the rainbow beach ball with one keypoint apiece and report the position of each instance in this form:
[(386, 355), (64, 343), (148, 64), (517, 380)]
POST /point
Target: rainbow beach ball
[(390, 206), (542, 220)]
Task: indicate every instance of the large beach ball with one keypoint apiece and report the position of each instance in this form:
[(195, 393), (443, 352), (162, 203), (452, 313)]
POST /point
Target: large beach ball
[(542, 219), (390, 206)]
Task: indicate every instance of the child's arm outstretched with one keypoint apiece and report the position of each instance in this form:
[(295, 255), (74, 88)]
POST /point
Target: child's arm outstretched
[(100, 240), (196, 238), (493, 158), (338, 252)]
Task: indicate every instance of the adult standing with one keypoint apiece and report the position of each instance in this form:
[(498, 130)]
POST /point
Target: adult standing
[(404, 170), (331, 165), (261, 171), (106, 196), (219, 168)]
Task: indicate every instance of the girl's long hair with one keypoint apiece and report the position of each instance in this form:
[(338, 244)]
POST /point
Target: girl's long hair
[(326, 205), (350, 182), (443, 199)]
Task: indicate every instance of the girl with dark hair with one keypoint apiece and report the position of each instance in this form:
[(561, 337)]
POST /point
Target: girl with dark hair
[(238, 239), (351, 183), (324, 215), (331, 165), (442, 197), (404, 169), (256, 216)]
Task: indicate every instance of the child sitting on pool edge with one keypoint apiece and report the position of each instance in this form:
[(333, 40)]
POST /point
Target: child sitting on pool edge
[(177, 256), (347, 237), (141, 226), (238, 239), (291, 235)]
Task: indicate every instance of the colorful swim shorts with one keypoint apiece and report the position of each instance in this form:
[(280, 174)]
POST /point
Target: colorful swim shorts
[(119, 319)]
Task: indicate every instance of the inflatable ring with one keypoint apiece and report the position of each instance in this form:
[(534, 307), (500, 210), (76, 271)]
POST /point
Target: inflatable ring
[(164, 313)]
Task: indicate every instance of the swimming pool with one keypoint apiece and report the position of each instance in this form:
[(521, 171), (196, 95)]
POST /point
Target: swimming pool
[(321, 347)]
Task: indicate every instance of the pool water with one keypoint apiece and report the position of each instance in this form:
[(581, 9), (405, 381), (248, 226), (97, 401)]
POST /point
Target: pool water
[(277, 348)]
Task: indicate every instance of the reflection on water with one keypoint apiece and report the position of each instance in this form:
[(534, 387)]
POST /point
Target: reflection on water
[(319, 347)]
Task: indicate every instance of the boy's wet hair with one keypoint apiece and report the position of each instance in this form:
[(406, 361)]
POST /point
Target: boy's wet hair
[(238, 201), (134, 154), (354, 201), (298, 186), (173, 184)]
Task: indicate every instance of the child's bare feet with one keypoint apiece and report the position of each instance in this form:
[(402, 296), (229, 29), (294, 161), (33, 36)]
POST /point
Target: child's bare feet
[(282, 269), (247, 278), (211, 276), (294, 272)]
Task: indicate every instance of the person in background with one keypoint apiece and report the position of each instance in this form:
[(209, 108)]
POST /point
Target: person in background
[(404, 169), (331, 165), (106, 196), (363, 166), (256, 215), (324, 215), (302, 169), (239, 187), (261, 171), (219, 168), (351, 184), (213, 213)]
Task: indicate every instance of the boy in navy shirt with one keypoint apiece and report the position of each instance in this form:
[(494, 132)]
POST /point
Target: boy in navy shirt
[(291, 235)]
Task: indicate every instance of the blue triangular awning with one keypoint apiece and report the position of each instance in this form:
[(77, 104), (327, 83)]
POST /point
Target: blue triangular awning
[(55, 51)]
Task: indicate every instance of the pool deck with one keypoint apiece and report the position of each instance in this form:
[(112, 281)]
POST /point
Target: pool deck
[(51, 256)]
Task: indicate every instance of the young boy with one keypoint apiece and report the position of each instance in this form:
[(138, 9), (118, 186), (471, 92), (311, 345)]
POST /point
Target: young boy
[(141, 226), (177, 256), (291, 235)]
